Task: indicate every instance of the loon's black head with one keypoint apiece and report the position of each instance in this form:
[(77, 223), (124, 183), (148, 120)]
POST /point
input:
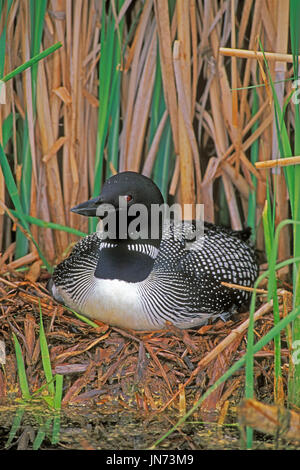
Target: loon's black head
[(127, 191)]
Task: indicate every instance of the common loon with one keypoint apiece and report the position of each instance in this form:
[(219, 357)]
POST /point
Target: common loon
[(143, 283)]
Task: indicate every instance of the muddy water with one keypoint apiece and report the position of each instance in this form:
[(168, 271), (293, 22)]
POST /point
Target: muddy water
[(113, 428)]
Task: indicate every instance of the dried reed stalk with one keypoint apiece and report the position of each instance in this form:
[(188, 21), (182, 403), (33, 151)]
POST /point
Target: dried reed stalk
[(282, 208), (182, 55), (278, 162), (248, 54), (165, 48)]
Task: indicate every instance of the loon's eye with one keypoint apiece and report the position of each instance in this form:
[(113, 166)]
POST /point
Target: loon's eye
[(128, 197)]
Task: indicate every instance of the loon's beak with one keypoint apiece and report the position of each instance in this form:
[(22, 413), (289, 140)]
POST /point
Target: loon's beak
[(88, 208), (94, 208)]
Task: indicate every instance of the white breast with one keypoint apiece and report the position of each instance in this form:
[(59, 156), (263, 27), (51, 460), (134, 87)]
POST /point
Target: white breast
[(117, 303)]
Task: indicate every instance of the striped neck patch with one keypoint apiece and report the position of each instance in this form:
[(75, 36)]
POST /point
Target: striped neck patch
[(108, 245), (145, 248)]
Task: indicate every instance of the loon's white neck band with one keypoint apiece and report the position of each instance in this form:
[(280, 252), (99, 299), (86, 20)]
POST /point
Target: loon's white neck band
[(145, 248)]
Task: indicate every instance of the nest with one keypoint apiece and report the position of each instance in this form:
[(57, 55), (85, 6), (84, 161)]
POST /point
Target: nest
[(149, 371)]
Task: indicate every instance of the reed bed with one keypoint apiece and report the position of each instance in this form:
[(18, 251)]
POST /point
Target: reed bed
[(136, 86), (199, 95)]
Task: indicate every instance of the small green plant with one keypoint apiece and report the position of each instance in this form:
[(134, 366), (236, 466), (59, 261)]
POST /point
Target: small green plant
[(51, 393), (292, 177)]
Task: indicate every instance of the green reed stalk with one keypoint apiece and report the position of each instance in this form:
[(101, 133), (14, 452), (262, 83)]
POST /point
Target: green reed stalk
[(46, 357), (294, 375), (271, 252), (3, 36), (41, 434), (31, 62), (109, 97), (271, 273), (292, 177), (45, 224), (57, 407), (37, 13), (21, 370), (15, 425), (14, 195)]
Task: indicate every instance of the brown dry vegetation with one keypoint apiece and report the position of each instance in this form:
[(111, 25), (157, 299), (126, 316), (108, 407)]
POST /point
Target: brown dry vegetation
[(145, 370)]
